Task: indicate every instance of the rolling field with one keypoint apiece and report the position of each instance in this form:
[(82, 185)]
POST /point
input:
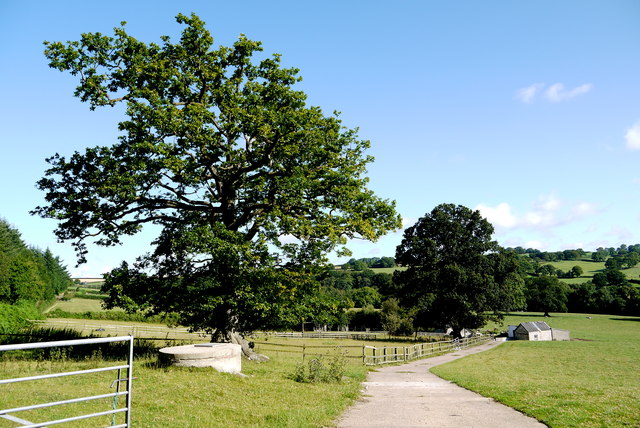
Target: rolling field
[(589, 269), (79, 305), (390, 270), (591, 381)]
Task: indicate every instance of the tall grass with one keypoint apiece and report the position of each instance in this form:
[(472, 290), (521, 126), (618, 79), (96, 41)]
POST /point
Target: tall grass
[(591, 381)]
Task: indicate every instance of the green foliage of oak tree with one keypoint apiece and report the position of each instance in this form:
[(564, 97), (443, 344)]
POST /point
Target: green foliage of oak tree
[(546, 294), (250, 186), (456, 275)]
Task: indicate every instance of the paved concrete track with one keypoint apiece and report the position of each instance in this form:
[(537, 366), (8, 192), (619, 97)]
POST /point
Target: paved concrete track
[(410, 396)]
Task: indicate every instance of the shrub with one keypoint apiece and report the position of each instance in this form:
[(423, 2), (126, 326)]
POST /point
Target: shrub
[(365, 318), (13, 318), (317, 371)]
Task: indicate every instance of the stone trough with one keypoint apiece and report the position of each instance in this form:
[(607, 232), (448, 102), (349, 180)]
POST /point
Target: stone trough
[(224, 357)]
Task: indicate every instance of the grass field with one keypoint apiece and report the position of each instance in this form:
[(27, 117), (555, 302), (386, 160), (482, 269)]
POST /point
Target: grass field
[(198, 397), (194, 397), (589, 269), (591, 381), (78, 305)]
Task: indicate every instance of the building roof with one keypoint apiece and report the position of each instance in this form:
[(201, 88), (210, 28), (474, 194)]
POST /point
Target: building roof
[(534, 326)]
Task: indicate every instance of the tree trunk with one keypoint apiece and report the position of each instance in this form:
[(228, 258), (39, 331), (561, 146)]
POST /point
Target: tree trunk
[(456, 333), (247, 349), (224, 335), (546, 314)]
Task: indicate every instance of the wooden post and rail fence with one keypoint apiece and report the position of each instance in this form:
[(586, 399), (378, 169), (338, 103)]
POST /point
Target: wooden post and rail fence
[(376, 355), (365, 353)]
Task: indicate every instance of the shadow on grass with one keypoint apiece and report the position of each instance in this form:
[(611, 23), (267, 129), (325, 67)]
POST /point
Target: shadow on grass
[(625, 319), (528, 315)]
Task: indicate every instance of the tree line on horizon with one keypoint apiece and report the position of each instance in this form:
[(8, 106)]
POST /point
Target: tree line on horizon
[(371, 293)]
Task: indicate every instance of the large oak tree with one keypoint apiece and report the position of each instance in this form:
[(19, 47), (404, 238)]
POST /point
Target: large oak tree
[(249, 185), (456, 275)]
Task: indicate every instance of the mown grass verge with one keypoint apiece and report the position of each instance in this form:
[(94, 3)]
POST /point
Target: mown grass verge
[(591, 381)]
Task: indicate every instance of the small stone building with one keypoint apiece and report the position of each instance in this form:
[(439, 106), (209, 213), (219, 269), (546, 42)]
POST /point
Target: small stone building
[(538, 330)]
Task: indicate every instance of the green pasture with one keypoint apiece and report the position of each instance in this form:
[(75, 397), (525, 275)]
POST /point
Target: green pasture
[(589, 268), (144, 330), (78, 305), (390, 270), (188, 397), (591, 381), (197, 397), (632, 273)]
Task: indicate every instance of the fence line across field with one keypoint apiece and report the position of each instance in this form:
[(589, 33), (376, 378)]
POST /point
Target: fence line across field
[(7, 413), (178, 333), (377, 355), (369, 335)]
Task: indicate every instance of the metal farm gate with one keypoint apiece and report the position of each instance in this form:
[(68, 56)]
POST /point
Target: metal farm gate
[(7, 413)]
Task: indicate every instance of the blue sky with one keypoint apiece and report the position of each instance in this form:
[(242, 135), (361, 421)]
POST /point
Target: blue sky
[(528, 111)]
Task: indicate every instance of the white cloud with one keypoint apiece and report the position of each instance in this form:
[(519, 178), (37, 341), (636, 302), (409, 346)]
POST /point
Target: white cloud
[(547, 212), (620, 234), (557, 92), (633, 137), (583, 208), (547, 222), (543, 214), (548, 202), (526, 95), (500, 215)]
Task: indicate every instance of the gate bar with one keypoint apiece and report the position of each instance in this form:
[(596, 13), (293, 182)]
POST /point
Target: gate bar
[(54, 375), (56, 403), (37, 345)]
